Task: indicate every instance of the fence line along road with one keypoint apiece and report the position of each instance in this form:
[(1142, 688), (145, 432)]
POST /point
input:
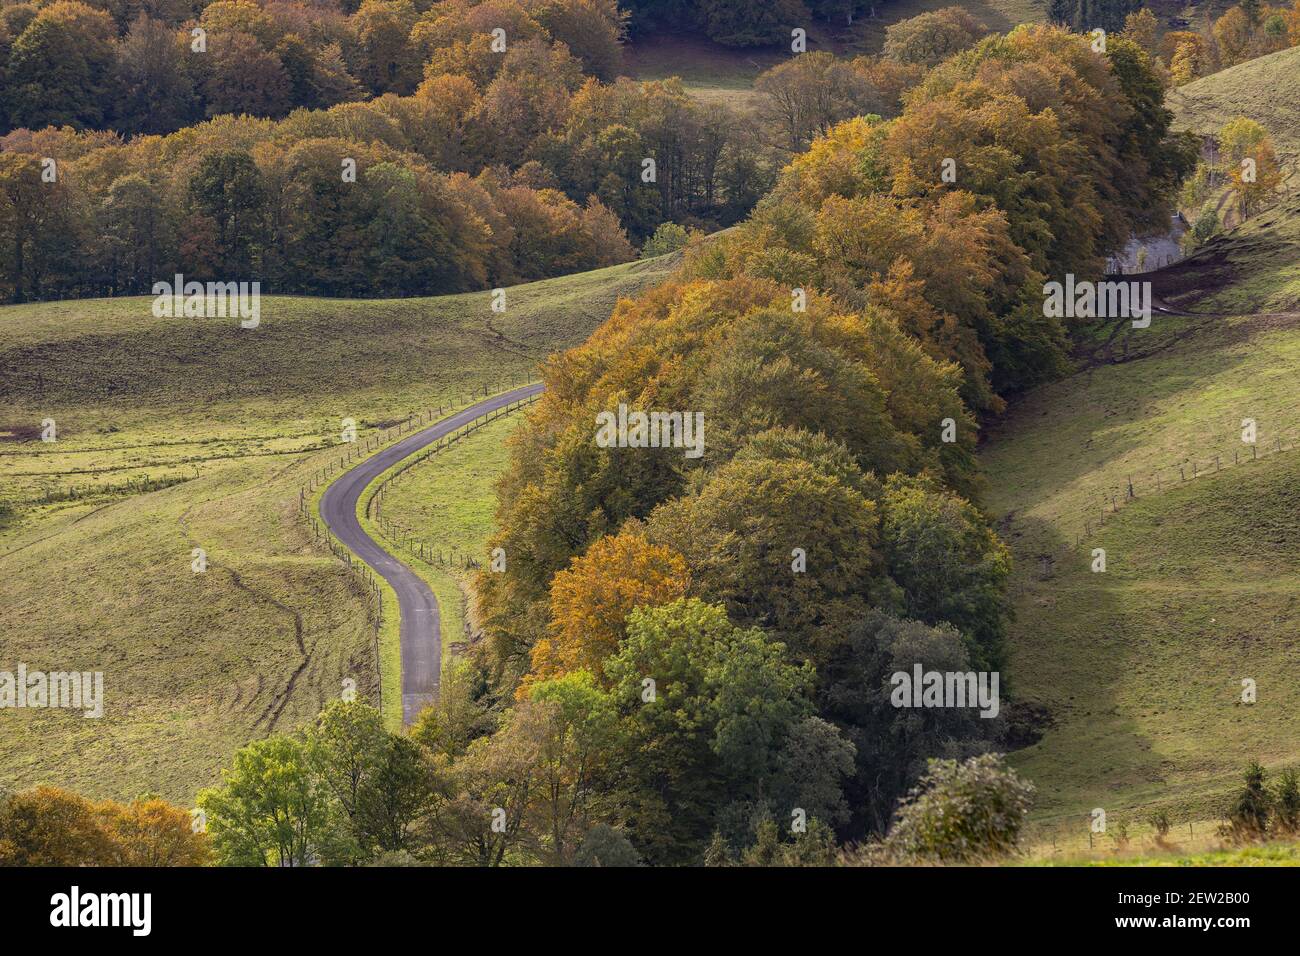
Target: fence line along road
[(420, 625)]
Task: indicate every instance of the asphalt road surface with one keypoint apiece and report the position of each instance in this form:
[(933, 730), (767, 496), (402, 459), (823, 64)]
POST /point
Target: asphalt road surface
[(418, 608)]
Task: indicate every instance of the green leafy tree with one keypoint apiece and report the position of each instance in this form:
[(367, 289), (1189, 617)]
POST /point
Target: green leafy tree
[(951, 566), (459, 716), (669, 237), (1251, 809), (59, 68), (1287, 802), (932, 37), (41, 231), (383, 782), (739, 536), (271, 809), (707, 731), (739, 23), (579, 736), (605, 846), (891, 745), (226, 189)]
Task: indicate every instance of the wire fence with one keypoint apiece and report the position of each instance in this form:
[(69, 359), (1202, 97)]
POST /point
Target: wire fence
[(1074, 832), (362, 576), (416, 546), (1125, 829), (1110, 498)]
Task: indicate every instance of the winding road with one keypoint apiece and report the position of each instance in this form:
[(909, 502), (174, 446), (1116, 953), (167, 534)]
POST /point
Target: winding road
[(420, 627)]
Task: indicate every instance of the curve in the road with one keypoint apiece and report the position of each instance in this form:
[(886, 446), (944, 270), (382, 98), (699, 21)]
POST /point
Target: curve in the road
[(420, 625)]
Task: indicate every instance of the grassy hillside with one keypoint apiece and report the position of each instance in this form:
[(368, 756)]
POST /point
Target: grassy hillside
[(1254, 267), (1139, 669), (1252, 89), (95, 566), (711, 72)]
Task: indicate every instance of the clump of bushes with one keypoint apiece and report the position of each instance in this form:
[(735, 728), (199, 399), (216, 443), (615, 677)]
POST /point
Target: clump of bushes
[(961, 812)]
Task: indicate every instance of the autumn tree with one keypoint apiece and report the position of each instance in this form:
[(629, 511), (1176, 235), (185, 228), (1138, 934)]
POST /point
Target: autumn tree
[(1253, 171), (782, 545), (492, 789), (149, 831), (808, 94), (1235, 35), (1143, 29), (593, 31), (155, 91), (240, 76), (388, 61), (932, 37), (590, 601), (47, 826)]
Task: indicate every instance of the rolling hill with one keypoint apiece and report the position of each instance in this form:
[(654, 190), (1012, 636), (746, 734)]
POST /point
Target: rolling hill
[(1136, 672), (182, 434)]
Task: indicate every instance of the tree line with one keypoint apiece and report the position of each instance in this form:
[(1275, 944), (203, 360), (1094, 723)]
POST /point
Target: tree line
[(842, 344), (1243, 32), (346, 792), (157, 65), (498, 167)]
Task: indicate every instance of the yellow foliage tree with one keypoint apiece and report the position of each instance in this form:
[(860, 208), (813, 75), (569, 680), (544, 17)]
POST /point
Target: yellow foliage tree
[(149, 831), (590, 601), (1252, 163)]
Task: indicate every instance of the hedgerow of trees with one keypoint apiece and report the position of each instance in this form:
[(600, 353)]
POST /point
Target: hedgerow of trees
[(826, 429)]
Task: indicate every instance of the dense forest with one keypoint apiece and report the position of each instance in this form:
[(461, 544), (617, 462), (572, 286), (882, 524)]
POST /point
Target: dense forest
[(383, 151), (826, 435), (453, 167)]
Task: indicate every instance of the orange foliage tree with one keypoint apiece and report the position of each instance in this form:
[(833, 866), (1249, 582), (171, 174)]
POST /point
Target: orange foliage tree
[(590, 601)]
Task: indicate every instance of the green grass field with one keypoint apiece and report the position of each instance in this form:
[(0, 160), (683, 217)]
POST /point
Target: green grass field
[(1248, 89), (710, 72), (1140, 668), (1269, 854), (95, 567)]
